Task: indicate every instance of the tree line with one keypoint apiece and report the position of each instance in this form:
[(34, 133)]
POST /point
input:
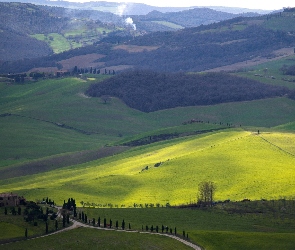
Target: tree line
[(150, 91), (288, 70)]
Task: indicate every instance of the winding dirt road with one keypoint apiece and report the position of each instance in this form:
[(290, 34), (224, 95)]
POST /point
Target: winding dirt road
[(77, 224)]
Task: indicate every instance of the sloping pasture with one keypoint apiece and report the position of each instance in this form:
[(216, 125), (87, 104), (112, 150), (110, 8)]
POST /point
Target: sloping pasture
[(242, 164)]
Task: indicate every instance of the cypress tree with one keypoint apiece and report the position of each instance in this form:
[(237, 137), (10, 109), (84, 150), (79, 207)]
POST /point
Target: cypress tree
[(26, 233), (123, 224), (93, 222), (111, 223), (104, 222), (98, 221), (117, 224), (63, 221), (19, 210), (175, 231)]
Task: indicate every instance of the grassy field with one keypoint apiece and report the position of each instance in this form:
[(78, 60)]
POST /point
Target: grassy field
[(38, 108), (14, 226), (212, 229), (94, 239), (273, 70), (56, 41), (285, 23), (169, 24), (242, 164)]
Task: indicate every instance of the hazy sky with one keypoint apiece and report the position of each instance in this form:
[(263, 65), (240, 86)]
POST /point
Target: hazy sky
[(250, 4)]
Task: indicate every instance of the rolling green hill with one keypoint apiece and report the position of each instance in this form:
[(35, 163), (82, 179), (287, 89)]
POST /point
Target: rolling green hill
[(46, 122), (51, 117), (58, 142), (242, 164)]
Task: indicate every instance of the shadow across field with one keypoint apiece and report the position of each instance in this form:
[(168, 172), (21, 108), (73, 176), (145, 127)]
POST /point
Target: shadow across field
[(59, 161)]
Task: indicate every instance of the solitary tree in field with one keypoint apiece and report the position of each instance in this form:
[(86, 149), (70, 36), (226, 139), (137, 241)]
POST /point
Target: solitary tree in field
[(106, 99), (206, 193)]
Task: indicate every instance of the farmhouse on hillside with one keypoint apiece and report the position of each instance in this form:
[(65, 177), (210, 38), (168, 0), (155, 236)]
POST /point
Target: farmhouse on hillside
[(10, 199)]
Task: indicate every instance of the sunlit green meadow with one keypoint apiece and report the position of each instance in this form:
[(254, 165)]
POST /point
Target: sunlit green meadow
[(242, 164), (169, 24), (56, 41), (32, 132)]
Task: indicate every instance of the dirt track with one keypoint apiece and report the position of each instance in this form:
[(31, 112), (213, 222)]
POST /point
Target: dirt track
[(77, 224)]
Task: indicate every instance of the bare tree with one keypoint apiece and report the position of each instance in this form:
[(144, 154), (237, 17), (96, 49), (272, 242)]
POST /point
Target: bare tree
[(206, 193), (106, 98)]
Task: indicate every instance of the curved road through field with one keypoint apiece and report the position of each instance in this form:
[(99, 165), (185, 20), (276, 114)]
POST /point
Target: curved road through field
[(77, 224)]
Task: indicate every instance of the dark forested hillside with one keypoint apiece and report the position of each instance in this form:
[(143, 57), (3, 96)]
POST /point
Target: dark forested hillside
[(15, 46), (190, 49), (150, 91), (195, 50), (29, 19), (23, 23)]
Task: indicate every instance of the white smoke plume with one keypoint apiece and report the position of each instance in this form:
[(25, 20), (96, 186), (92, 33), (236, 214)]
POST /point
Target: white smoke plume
[(129, 21)]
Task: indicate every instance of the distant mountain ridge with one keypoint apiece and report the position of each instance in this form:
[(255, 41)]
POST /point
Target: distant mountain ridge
[(186, 18), (132, 8)]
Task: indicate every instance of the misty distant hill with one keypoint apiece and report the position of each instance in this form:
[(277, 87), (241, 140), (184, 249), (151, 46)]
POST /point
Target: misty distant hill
[(132, 8), (183, 19)]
